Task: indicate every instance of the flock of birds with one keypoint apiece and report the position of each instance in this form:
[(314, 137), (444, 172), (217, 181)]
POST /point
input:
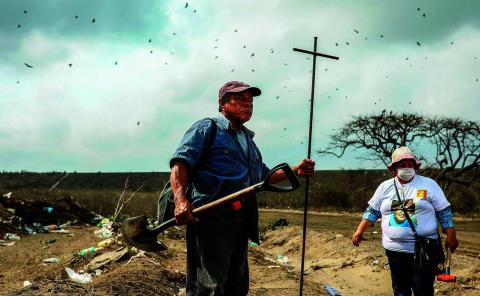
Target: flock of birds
[(270, 51)]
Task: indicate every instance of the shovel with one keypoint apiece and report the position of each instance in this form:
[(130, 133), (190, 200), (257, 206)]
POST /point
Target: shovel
[(139, 235), (446, 276)]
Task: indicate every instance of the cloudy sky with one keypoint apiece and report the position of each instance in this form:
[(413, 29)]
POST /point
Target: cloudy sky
[(113, 85)]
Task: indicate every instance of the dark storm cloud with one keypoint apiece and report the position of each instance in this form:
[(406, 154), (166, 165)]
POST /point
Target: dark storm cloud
[(120, 19)]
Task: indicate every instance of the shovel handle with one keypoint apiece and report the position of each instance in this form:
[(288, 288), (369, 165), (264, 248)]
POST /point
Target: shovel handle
[(259, 187)]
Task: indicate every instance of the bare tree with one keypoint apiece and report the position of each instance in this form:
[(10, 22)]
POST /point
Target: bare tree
[(377, 133), (455, 142), (457, 152)]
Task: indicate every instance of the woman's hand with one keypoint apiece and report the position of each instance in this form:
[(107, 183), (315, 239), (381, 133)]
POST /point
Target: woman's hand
[(451, 240), (357, 238), (358, 235)]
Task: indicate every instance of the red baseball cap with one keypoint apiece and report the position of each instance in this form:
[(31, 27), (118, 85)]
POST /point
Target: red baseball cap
[(236, 87)]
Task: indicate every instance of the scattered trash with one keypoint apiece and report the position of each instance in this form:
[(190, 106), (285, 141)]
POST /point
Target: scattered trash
[(12, 237), (374, 232), (273, 266), (282, 259), (7, 195), (6, 244), (98, 272), (50, 241), (280, 222), (338, 236), (106, 258), (252, 244), (78, 278), (87, 251), (53, 260), (104, 232), (376, 262), (105, 243), (26, 284), (331, 291)]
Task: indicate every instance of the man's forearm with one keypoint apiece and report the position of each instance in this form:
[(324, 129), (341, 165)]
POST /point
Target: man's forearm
[(179, 180)]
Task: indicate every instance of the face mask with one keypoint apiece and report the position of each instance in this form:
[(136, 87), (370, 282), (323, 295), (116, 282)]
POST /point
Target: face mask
[(406, 174)]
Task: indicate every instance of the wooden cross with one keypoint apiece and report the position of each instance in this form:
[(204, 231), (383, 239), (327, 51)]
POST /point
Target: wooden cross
[(314, 53)]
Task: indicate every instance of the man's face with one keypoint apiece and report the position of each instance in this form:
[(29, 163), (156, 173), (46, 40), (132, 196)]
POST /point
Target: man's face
[(239, 107)]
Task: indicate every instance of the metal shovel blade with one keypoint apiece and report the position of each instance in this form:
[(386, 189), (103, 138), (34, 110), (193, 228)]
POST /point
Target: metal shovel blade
[(135, 230)]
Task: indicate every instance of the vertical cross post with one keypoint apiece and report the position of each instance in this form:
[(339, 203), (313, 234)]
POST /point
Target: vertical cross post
[(314, 53)]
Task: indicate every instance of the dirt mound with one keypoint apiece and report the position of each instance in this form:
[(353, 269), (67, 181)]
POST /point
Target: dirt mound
[(140, 277), (324, 249)]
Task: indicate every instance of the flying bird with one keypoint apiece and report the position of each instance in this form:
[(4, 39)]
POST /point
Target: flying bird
[(28, 65), (76, 16), (116, 63), (253, 70), (347, 43), (236, 30), (244, 46), (70, 65), (18, 82), (216, 40), (174, 33), (418, 9), (381, 36), (186, 4), (150, 40), (252, 54), (277, 97), (19, 26), (138, 122), (216, 57), (356, 31), (336, 43), (366, 38), (151, 51), (418, 43), (194, 11), (93, 20), (25, 11), (271, 50), (232, 70), (424, 15)]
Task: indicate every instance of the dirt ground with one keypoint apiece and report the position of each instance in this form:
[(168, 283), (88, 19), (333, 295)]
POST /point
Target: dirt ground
[(274, 266)]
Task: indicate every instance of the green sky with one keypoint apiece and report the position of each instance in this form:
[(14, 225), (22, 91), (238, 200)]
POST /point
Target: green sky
[(84, 117)]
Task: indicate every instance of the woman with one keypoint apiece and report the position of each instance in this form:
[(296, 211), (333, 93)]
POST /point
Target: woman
[(425, 202)]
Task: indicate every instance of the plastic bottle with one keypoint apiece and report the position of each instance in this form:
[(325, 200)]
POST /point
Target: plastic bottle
[(87, 251)]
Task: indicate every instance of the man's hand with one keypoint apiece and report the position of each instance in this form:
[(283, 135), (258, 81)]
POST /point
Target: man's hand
[(451, 240), (305, 168), (183, 212)]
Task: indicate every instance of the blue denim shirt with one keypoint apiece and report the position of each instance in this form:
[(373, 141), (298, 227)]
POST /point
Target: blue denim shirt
[(226, 168)]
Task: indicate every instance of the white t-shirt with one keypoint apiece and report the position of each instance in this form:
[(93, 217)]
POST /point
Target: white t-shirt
[(422, 197)]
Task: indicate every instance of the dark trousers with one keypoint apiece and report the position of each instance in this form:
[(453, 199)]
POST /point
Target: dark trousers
[(405, 279), (217, 262)]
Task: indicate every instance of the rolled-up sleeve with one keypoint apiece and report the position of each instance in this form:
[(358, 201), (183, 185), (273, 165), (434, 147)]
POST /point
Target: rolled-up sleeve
[(371, 214), (191, 146), (445, 218)]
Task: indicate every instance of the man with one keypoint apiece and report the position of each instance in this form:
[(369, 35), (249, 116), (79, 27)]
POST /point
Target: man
[(217, 243)]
